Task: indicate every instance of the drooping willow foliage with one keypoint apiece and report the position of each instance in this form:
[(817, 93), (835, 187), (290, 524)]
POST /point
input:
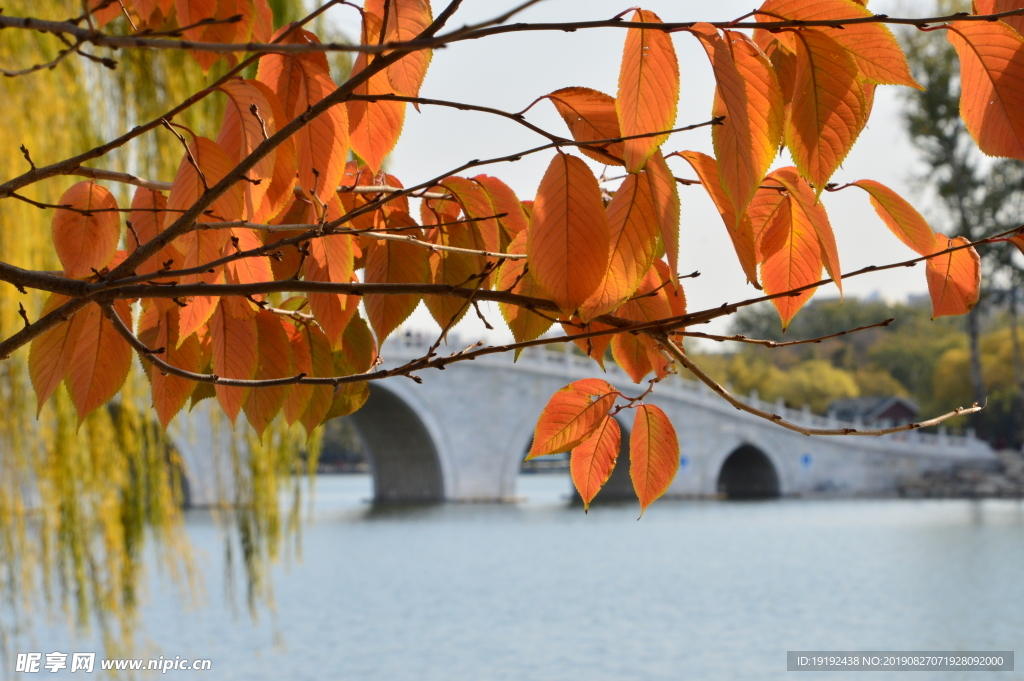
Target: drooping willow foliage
[(81, 504)]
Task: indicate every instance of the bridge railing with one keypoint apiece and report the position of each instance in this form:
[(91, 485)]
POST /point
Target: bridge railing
[(566, 360)]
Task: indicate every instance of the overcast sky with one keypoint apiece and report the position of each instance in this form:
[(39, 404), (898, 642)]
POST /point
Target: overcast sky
[(510, 71)]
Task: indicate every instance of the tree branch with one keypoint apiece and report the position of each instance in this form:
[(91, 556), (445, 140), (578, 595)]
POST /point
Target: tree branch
[(680, 357), (778, 344)]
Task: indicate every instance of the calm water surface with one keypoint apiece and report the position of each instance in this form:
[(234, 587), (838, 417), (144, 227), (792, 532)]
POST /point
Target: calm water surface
[(539, 591)]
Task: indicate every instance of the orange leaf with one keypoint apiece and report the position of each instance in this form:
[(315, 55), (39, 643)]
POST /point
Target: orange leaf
[(666, 200), (634, 237), (322, 363), (899, 216), (331, 258), (263, 22), (751, 102), (648, 89), (992, 84), (591, 115), (740, 231), (767, 202), (954, 279), (476, 205), (300, 395), (593, 460), (454, 269), (374, 127), (594, 347), (999, 6), (568, 236), (250, 270), (104, 15), (395, 262), (275, 361), (638, 353), (828, 110), (46, 355), (515, 278), (147, 219), (237, 31), (872, 46), (791, 258), (191, 12), (505, 201), (158, 328), (235, 355), (569, 418), (195, 315), (85, 242), (805, 208), (653, 454), (202, 246), (279, 191), (301, 82), (96, 358), (241, 132), (407, 19)]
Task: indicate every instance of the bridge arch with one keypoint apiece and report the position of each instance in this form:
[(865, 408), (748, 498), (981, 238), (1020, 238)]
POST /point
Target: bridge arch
[(406, 451), (748, 473)]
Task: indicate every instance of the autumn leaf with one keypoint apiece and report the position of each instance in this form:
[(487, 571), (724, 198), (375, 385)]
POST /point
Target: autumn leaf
[(147, 219), (571, 415), (591, 116), (653, 454), (751, 101), (96, 358), (407, 19), (568, 235), (873, 47), (992, 85), (299, 83), (828, 110), (395, 262), (202, 246), (322, 366), (593, 460), (235, 355), (514, 276), (638, 353), (85, 241), (634, 237), (1000, 6), (740, 231), (279, 191), (453, 269), (46, 355), (251, 269), (505, 202), (374, 127), (275, 361), (158, 328), (791, 258), (241, 132), (805, 208), (225, 31), (476, 206), (665, 192), (954, 279), (899, 216), (648, 89)]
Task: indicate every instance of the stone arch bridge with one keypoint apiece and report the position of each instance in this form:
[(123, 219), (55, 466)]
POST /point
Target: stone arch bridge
[(462, 435)]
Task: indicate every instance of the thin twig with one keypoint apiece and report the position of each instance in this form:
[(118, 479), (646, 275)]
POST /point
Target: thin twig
[(680, 357)]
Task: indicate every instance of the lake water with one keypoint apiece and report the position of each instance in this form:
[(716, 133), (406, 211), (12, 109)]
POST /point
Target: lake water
[(539, 591)]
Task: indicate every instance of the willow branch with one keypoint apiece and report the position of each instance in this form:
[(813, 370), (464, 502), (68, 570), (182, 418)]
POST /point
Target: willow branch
[(680, 357)]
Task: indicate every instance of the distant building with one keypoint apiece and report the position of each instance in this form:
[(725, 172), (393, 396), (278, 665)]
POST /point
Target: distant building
[(893, 409)]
